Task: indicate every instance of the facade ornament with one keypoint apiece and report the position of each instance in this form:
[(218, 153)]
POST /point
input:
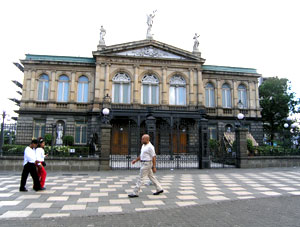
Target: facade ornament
[(121, 77), (101, 41), (177, 80), (196, 43), (150, 52), (150, 79), (150, 23), (60, 130)]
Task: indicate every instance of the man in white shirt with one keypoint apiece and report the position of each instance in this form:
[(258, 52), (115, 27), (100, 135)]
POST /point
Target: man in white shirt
[(148, 163), (29, 166)]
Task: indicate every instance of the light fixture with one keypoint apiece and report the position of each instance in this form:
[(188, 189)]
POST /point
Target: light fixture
[(240, 116), (105, 111), (240, 104), (286, 125)]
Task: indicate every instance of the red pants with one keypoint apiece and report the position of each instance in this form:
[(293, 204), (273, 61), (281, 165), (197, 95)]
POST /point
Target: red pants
[(42, 175)]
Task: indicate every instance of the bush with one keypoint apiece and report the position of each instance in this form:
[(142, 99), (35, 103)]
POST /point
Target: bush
[(48, 139), (11, 150), (250, 146), (68, 140)]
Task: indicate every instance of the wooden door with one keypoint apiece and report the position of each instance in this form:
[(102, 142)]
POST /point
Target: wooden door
[(179, 146), (119, 140)]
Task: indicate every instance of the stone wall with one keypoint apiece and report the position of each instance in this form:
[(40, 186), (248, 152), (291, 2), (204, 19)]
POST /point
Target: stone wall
[(270, 161), (53, 164)]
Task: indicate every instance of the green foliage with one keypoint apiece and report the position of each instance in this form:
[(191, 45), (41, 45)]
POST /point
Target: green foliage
[(48, 139), (68, 140), (13, 150), (213, 144), (277, 101), (250, 146)]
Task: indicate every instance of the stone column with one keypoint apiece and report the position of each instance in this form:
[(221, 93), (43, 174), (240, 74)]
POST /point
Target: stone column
[(241, 145), (105, 134), (219, 97), (191, 75), (106, 84), (32, 85), (200, 87), (203, 156), (102, 82), (53, 86), (73, 97), (97, 83), (164, 86), (136, 97)]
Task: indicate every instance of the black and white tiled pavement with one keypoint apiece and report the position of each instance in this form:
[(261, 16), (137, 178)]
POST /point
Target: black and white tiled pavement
[(94, 193)]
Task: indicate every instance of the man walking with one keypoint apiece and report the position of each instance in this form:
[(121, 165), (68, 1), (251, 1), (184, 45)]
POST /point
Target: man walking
[(29, 166), (148, 163)]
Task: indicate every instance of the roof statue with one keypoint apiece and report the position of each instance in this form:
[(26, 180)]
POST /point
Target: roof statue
[(196, 43), (150, 23), (101, 41)]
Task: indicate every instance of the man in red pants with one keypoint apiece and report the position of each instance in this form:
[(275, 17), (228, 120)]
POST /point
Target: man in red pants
[(40, 157)]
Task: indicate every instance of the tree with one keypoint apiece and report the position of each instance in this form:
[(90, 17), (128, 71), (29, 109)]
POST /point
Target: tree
[(277, 102)]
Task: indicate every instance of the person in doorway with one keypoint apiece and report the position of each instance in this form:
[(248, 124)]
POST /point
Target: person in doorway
[(40, 159), (29, 166), (148, 167)]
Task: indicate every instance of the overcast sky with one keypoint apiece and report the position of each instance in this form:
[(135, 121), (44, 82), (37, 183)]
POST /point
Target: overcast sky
[(260, 34)]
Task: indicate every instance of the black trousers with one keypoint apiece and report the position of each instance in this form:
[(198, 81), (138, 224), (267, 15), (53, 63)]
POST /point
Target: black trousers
[(30, 168)]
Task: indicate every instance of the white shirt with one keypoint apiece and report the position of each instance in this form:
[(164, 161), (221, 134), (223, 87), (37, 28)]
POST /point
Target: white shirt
[(40, 154), (147, 152), (29, 155)]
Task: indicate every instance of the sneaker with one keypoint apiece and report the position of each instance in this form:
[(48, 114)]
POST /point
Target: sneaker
[(23, 190), (157, 193), (42, 189), (132, 196)]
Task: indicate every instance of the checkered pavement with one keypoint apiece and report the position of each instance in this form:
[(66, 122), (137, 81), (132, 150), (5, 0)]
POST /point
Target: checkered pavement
[(94, 193)]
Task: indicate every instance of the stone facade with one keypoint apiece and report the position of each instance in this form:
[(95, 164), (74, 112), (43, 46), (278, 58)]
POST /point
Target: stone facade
[(41, 108)]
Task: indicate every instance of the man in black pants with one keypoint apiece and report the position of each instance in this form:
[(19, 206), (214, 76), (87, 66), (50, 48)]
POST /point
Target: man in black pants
[(30, 167)]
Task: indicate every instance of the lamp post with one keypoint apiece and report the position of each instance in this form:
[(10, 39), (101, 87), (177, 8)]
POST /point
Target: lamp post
[(2, 131), (105, 116)]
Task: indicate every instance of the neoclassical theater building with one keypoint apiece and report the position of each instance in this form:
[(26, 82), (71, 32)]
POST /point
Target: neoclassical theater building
[(149, 86)]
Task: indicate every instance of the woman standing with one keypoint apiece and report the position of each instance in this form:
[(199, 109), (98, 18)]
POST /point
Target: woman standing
[(40, 157)]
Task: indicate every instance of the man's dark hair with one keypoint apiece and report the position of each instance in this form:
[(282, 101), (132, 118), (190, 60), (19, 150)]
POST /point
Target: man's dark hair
[(34, 141)]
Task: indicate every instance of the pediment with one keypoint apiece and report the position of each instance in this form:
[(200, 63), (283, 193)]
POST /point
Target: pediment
[(148, 49), (152, 52)]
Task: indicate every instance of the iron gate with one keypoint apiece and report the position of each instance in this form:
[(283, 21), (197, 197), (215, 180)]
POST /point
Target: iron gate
[(176, 147)]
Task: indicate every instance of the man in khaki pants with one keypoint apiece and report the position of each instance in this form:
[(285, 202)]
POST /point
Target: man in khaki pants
[(148, 162)]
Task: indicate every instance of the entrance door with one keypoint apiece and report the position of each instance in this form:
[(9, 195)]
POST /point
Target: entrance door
[(119, 140), (179, 142)]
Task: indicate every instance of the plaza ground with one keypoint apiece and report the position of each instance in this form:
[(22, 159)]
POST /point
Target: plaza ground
[(221, 197)]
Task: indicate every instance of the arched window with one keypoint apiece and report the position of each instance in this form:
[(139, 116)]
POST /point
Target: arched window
[(150, 90), (121, 88), (226, 96), (63, 89), (242, 95), (177, 92), (83, 89), (209, 95), (43, 88)]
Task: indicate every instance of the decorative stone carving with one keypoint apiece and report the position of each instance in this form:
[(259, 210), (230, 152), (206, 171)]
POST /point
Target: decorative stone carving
[(101, 41), (150, 79), (196, 43), (177, 80), (121, 77), (150, 23), (150, 52)]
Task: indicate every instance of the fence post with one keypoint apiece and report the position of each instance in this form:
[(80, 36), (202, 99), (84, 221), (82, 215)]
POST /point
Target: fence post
[(241, 145)]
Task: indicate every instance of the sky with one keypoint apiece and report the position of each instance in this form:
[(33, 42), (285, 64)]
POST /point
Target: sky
[(260, 34)]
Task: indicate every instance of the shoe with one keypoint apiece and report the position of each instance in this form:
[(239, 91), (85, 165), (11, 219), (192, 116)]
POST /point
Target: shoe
[(157, 193), (42, 189), (23, 190), (132, 196)]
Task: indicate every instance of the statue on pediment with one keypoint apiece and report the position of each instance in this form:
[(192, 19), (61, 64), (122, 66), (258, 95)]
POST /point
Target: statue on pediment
[(150, 23), (102, 34), (196, 42)]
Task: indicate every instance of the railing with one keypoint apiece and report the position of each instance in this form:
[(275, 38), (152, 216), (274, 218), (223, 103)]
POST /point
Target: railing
[(211, 110), (227, 111), (41, 104)]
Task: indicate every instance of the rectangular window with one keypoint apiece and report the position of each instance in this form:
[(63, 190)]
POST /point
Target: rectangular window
[(145, 94), (80, 133), (212, 132), (126, 94), (39, 128)]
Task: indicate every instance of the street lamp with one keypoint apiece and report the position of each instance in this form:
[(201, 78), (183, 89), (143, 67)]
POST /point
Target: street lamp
[(2, 131), (105, 116)]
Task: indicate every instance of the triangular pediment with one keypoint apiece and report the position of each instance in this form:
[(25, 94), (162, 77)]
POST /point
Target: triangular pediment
[(151, 52), (148, 49)]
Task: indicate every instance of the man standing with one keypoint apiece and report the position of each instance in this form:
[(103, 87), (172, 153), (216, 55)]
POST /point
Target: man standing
[(30, 167), (148, 162)]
